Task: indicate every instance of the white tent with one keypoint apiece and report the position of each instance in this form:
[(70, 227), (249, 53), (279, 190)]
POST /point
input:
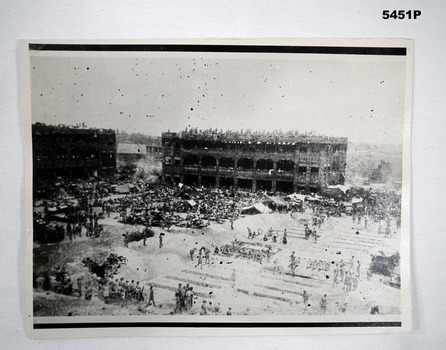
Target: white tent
[(277, 200), (315, 198), (343, 188), (123, 188), (191, 202), (257, 208), (356, 200), (296, 196)]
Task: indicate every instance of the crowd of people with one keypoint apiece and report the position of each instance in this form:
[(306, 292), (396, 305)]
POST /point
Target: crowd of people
[(241, 250), (121, 290), (193, 207), (270, 235), (203, 253), (183, 207), (184, 298), (61, 282), (381, 208), (347, 274)]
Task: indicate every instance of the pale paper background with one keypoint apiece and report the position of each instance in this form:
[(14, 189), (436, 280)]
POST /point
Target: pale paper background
[(405, 110), (230, 19)]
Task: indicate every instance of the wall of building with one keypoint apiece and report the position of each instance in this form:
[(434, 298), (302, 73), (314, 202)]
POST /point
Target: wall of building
[(285, 165), (66, 151)]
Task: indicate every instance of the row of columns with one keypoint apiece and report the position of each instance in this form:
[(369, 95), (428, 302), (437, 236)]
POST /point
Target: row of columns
[(254, 182), (235, 166)]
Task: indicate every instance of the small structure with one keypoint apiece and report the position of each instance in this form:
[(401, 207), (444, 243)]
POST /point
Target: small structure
[(128, 154), (257, 208), (268, 161)]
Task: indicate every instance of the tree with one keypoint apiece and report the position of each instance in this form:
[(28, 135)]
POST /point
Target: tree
[(381, 173)]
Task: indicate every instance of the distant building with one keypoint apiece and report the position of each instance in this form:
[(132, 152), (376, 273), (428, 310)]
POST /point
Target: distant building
[(72, 151), (155, 150), (130, 154), (285, 162)]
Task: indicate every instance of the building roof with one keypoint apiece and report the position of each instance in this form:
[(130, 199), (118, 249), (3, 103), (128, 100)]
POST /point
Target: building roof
[(288, 137), (41, 128)]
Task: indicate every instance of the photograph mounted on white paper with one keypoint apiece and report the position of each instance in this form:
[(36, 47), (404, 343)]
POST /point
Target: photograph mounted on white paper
[(244, 187)]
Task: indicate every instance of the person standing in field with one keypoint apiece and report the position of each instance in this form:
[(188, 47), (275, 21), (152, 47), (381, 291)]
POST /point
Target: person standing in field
[(200, 261), (305, 299), (203, 310), (189, 298), (207, 253), (192, 253), (323, 303), (233, 278), (151, 296)]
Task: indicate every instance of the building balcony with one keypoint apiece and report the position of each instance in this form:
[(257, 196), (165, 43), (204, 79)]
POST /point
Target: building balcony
[(191, 169), (285, 175), (209, 170), (218, 153), (226, 171), (309, 158), (245, 173), (264, 173)]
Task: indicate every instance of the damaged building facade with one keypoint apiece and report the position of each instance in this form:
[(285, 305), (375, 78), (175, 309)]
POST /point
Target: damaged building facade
[(72, 151), (285, 162)]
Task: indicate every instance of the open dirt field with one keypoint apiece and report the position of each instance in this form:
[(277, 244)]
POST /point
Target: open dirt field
[(247, 286)]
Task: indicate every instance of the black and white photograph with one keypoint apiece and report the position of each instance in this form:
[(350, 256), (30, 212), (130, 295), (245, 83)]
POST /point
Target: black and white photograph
[(246, 185)]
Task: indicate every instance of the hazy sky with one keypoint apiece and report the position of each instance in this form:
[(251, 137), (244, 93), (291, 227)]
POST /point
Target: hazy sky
[(360, 97)]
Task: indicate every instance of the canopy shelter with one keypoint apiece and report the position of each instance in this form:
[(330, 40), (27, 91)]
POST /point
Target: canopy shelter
[(296, 197), (257, 208), (277, 200), (356, 200), (123, 188), (57, 209), (332, 192), (343, 188), (316, 198), (191, 202), (97, 210)]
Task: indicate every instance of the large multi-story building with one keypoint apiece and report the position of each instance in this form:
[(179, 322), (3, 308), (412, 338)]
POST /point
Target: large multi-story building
[(285, 162), (72, 151)]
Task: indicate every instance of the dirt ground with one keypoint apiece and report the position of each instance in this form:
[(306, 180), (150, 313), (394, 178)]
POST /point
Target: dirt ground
[(258, 289)]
